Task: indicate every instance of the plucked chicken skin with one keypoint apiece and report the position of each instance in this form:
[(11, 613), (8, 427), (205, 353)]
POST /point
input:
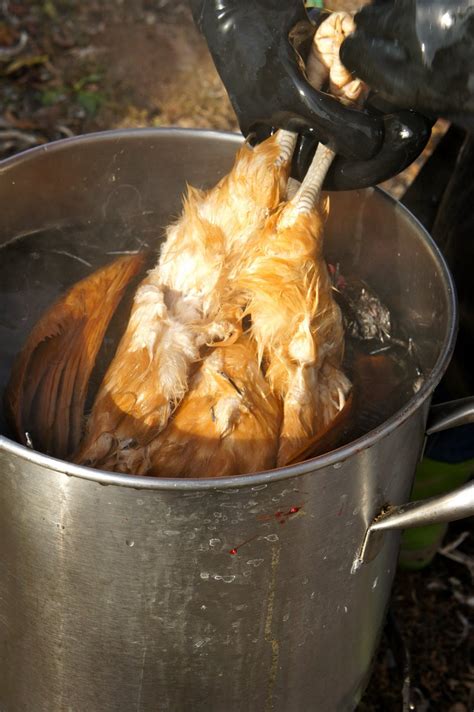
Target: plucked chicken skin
[(231, 361)]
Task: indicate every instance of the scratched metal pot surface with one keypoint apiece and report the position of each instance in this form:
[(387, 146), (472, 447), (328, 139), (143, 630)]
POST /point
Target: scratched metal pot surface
[(118, 593)]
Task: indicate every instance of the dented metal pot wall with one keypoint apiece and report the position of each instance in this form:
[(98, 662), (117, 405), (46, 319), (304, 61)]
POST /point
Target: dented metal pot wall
[(121, 593)]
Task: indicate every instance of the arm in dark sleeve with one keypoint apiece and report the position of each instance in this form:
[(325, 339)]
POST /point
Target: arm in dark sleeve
[(418, 54)]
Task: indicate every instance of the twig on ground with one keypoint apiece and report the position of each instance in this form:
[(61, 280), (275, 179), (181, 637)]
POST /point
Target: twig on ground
[(450, 552), (8, 53)]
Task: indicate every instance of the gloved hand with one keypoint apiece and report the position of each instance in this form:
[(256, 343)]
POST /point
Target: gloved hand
[(418, 54), (255, 46), (406, 133)]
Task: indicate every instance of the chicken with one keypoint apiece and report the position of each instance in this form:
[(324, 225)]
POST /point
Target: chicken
[(231, 359), (177, 308), (296, 328), (296, 325)]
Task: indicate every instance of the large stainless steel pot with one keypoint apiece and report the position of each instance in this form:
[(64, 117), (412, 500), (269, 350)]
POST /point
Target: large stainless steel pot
[(123, 594)]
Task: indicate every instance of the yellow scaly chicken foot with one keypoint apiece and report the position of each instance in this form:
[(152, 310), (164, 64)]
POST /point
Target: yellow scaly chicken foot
[(324, 65)]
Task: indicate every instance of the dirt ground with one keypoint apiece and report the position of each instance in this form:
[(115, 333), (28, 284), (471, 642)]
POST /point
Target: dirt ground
[(69, 67)]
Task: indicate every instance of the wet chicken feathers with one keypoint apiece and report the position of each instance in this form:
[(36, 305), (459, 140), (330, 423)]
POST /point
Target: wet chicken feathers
[(179, 308), (228, 423), (231, 359), (47, 390), (177, 370), (295, 322)]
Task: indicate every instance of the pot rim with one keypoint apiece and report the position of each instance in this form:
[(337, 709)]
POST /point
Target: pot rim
[(260, 479)]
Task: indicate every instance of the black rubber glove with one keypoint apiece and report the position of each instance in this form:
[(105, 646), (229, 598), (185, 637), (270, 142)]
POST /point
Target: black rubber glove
[(406, 133), (255, 46), (417, 53)]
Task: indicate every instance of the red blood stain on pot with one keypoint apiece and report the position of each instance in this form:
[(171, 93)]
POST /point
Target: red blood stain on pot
[(342, 508), (235, 549), (281, 518)]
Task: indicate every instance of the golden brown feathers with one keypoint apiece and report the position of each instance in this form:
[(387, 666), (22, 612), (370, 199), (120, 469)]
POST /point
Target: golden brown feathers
[(227, 424), (295, 321), (47, 389), (179, 309)]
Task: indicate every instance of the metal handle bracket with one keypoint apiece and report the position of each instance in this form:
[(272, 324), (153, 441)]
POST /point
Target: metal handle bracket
[(444, 508)]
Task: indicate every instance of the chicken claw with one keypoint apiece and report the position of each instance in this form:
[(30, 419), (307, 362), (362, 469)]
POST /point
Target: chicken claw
[(324, 65)]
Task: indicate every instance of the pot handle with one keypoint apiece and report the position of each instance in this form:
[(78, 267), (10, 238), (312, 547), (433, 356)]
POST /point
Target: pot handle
[(444, 508), (450, 414)]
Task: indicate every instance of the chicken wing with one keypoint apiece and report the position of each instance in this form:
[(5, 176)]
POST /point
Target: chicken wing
[(47, 390)]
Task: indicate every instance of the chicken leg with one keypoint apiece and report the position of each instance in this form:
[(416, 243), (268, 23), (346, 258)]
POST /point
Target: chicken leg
[(296, 323), (296, 327)]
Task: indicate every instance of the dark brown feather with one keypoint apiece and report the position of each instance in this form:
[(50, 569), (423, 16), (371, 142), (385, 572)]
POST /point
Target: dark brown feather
[(46, 393)]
